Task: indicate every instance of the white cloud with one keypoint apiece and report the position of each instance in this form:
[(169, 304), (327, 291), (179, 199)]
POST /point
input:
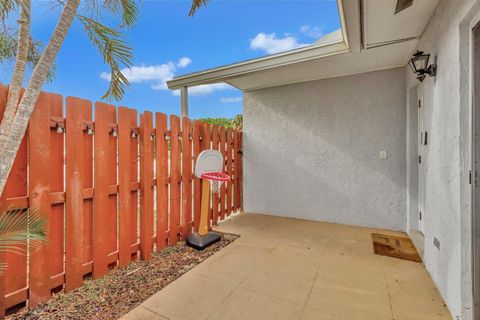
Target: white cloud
[(270, 43), (183, 62), (205, 89), (156, 75), (230, 99), (312, 32)]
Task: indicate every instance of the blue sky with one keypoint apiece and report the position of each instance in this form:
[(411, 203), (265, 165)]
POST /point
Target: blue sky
[(167, 42)]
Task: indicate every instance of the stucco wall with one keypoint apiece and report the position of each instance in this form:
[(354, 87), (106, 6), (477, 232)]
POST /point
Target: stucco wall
[(312, 150), (447, 203)]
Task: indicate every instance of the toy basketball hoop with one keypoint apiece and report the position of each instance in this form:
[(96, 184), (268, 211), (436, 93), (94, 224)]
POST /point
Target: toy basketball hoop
[(208, 167), (216, 180)]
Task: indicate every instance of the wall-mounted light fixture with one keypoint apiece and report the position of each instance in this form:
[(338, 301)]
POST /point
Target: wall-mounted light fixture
[(419, 65)]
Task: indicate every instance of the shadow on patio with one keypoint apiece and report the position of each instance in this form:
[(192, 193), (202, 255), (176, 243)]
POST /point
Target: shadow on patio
[(284, 268)]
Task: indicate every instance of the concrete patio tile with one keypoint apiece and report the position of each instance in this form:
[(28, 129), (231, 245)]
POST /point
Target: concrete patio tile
[(413, 294), (244, 304), (258, 240), (291, 289), (334, 302), (234, 263), (292, 262), (142, 313), (351, 272), (191, 296)]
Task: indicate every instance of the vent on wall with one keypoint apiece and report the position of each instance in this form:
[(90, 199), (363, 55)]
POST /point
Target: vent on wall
[(402, 5)]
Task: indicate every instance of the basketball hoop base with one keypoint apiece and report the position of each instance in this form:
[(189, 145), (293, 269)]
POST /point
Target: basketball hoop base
[(199, 242)]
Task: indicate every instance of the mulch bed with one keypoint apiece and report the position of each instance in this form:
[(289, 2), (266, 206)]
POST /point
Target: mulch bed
[(123, 289)]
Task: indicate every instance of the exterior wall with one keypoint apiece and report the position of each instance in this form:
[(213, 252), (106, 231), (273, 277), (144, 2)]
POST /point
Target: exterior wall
[(312, 150), (448, 192)]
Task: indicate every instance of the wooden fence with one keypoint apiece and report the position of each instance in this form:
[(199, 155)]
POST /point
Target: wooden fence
[(113, 190)]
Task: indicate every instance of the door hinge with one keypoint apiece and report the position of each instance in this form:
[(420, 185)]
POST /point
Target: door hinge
[(420, 215), (470, 176), (419, 159)]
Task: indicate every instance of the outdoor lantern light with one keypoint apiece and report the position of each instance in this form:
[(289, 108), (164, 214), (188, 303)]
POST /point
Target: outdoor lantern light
[(419, 65)]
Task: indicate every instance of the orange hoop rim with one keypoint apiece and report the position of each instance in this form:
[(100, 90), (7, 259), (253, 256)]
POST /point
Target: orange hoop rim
[(216, 176)]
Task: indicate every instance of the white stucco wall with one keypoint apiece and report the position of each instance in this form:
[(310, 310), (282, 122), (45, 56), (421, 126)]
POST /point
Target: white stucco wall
[(447, 203), (312, 150)]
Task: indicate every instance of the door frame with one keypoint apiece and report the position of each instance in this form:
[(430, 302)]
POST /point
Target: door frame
[(422, 158), (475, 168)]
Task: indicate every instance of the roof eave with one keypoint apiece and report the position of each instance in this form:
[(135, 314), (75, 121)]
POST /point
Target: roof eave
[(223, 73)]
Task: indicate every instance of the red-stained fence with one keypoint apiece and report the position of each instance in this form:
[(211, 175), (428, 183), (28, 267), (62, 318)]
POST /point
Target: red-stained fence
[(96, 173)]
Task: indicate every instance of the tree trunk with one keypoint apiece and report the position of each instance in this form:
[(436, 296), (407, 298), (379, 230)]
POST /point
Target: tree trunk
[(29, 98), (18, 71)]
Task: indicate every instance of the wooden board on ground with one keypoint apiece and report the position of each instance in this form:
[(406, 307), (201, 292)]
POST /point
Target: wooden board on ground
[(394, 246)]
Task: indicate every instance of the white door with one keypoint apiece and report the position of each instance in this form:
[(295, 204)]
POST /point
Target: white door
[(422, 152)]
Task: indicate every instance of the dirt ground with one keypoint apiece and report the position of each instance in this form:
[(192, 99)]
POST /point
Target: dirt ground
[(123, 289)]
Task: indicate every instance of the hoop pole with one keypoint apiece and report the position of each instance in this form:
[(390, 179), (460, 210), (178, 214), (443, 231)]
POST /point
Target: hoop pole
[(203, 226)]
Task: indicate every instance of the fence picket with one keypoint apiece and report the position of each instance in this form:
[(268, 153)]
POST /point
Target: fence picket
[(105, 204), (146, 183), (236, 172), (197, 136), (186, 177), (162, 179), (87, 173), (40, 157), (240, 169), (174, 179), (127, 122), (215, 196), (223, 189), (75, 183), (14, 194), (207, 145), (229, 171)]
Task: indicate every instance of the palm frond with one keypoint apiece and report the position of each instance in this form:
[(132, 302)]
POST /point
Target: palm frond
[(8, 52), (115, 52), (127, 9), (19, 227), (196, 4), (6, 7)]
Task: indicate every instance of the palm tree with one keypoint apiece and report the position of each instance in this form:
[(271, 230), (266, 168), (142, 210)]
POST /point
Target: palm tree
[(20, 228), (108, 40)]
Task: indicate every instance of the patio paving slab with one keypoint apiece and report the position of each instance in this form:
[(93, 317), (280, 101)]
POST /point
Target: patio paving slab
[(283, 268)]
